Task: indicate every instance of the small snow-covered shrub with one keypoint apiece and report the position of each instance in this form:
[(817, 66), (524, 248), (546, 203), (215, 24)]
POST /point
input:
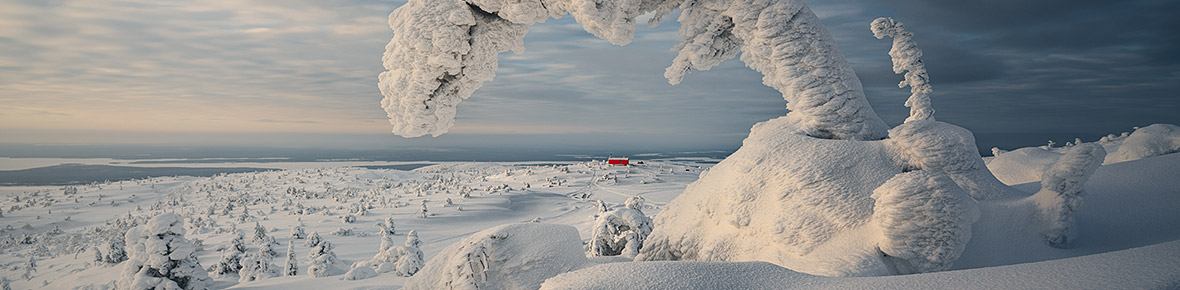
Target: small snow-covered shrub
[(514, 256), (116, 252), (322, 260), (360, 273), (159, 257), (620, 231), (257, 266)]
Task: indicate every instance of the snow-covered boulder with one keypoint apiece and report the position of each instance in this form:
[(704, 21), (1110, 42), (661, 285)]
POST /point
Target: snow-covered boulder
[(514, 256), (1154, 140)]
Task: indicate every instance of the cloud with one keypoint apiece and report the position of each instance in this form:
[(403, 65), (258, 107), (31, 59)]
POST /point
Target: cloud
[(311, 66)]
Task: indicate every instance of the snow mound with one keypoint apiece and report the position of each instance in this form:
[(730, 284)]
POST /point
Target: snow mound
[(1022, 165), (1154, 140), (442, 51), (1150, 267), (514, 256)]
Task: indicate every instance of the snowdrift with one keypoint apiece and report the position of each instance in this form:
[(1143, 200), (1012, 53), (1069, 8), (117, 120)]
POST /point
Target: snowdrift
[(1150, 267), (515, 256)]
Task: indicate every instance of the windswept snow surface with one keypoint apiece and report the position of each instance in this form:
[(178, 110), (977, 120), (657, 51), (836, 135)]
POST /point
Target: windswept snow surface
[(317, 198), (1128, 205), (444, 50)]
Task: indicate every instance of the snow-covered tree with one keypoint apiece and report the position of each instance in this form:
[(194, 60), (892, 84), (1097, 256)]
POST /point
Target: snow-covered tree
[(231, 257), (925, 219), (30, 267), (322, 261), (620, 231), (424, 212), (297, 232), (291, 267), (313, 240), (257, 266), (116, 252), (907, 59), (259, 233), (159, 257), (411, 257), (795, 54), (388, 230), (1061, 192)]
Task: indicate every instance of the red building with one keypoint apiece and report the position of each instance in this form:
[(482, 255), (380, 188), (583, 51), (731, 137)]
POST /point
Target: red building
[(618, 161)]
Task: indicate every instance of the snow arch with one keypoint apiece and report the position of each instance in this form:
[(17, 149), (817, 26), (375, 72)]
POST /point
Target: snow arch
[(444, 50)]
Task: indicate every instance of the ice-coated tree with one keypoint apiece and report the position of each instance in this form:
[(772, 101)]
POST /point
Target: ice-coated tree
[(259, 233), (925, 220), (313, 240), (322, 260), (1061, 192), (30, 267), (291, 267), (907, 59), (231, 257), (298, 232), (411, 259), (159, 257), (783, 40), (425, 213), (620, 231), (116, 252), (256, 267)]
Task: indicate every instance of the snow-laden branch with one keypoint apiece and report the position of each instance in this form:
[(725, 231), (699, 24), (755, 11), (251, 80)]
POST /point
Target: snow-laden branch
[(907, 58), (443, 50)]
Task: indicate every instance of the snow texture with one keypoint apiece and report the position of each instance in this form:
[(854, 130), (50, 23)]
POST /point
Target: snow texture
[(1149, 267), (1154, 140), (442, 51), (1061, 191), (159, 257), (620, 231), (907, 59), (513, 256), (926, 221)]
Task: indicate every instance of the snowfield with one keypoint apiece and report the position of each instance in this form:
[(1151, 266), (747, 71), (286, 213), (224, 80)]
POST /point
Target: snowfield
[(1128, 231)]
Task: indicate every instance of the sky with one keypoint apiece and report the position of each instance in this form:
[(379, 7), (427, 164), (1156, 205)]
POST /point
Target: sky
[(304, 73)]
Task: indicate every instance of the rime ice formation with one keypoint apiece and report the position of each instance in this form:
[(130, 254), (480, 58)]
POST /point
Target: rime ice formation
[(513, 256), (926, 221), (442, 51), (907, 59), (1061, 191), (159, 257)]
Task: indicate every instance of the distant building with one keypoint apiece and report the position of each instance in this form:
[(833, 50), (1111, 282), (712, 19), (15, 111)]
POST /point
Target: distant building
[(618, 161)]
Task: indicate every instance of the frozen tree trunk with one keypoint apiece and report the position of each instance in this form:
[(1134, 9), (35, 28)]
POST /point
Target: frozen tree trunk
[(1061, 192), (443, 50)]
